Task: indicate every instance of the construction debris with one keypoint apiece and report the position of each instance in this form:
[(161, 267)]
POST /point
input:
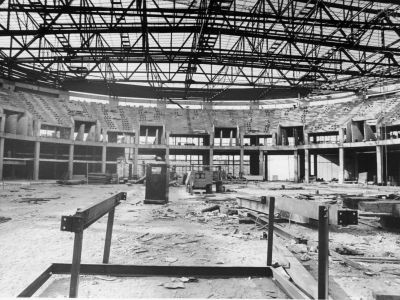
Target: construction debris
[(4, 219), (211, 208), (37, 200), (99, 178)]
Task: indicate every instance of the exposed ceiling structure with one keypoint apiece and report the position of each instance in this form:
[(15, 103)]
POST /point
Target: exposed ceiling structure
[(202, 46)]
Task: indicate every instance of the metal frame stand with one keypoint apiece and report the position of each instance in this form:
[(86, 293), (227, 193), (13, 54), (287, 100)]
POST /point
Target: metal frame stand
[(81, 220)]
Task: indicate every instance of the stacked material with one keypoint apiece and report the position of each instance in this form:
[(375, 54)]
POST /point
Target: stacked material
[(99, 178)]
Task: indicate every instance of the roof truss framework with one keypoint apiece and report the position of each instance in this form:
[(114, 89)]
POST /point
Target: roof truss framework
[(210, 44)]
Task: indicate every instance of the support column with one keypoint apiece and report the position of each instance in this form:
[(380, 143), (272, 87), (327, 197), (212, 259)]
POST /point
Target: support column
[(355, 165), (1, 157), (296, 166), (266, 165), (241, 166), (306, 166), (135, 161), (315, 165), (379, 160), (167, 155), (36, 161), (261, 163), (71, 161), (211, 158), (103, 158), (341, 165)]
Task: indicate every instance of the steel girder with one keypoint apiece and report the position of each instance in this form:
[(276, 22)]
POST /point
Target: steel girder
[(208, 44)]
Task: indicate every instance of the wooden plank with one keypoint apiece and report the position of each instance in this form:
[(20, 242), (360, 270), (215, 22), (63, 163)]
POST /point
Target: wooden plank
[(283, 281), (300, 276)]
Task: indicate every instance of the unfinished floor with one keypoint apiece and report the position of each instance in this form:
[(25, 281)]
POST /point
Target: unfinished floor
[(174, 234)]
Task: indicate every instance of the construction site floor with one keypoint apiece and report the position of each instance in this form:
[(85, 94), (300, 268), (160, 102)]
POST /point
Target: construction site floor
[(173, 234)]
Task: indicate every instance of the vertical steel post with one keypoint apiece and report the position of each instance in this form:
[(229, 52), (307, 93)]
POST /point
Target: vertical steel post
[(107, 244), (323, 252), (271, 212), (76, 264)]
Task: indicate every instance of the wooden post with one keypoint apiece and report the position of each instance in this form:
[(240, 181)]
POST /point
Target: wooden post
[(323, 252), (76, 265), (107, 244), (271, 212)]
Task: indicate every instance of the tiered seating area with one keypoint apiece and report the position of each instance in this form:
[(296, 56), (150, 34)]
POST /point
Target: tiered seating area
[(327, 118), (374, 108), (319, 118), (393, 116)]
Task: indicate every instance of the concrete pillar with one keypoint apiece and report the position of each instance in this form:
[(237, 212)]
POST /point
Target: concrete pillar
[(230, 138), (379, 160), (1, 157), (241, 163), (306, 166), (261, 163), (103, 158), (36, 159), (341, 165), (296, 166), (156, 139), (266, 165), (211, 139), (167, 155), (341, 135), (355, 165), (135, 161), (211, 158), (315, 165), (306, 138), (71, 161), (147, 133), (2, 125)]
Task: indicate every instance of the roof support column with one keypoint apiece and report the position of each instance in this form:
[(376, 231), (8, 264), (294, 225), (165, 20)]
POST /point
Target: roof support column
[(296, 166), (306, 166), (341, 165), (36, 160), (71, 161), (379, 169), (103, 158), (261, 164)]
